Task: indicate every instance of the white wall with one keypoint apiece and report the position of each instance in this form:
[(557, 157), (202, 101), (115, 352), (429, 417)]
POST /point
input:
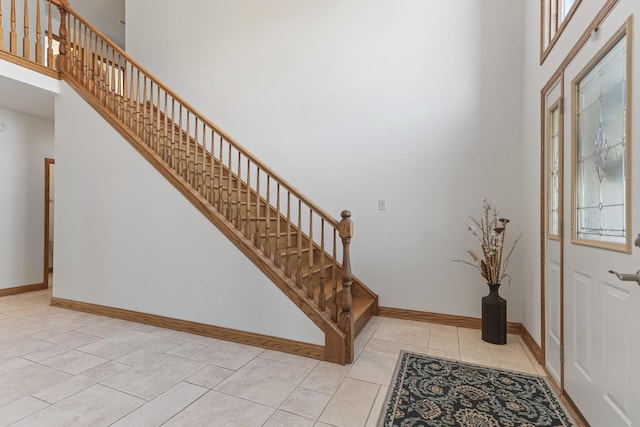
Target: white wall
[(416, 102), (24, 143), (126, 238)]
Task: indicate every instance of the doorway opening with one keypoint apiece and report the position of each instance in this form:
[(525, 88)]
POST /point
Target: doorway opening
[(49, 195)]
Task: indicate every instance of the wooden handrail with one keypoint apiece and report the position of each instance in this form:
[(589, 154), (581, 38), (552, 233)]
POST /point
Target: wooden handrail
[(241, 192), (328, 218)]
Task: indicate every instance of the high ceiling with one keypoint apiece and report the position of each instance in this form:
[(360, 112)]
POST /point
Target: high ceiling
[(106, 15)]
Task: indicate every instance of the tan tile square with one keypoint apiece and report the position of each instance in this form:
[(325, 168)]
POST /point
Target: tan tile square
[(210, 376), (291, 359), (95, 406), (378, 407), (351, 404), (286, 419), (119, 344), (264, 381), (325, 377), (154, 349), (162, 408), (154, 377), (404, 334), (73, 339), (74, 362), (306, 403), (186, 349), (219, 409), (15, 411), (29, 379), (227, 354), (378, 360), (71, 386)]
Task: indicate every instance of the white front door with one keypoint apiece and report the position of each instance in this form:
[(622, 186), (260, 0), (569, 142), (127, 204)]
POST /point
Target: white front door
[(553, 232), (602, 313)]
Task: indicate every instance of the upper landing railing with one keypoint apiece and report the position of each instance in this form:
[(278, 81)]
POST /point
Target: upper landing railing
[(52, 37)]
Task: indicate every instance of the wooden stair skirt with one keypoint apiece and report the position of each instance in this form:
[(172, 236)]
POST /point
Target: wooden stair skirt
[(293, 242)]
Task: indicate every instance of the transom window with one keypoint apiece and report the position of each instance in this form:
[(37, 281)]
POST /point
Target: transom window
[(555, 15)]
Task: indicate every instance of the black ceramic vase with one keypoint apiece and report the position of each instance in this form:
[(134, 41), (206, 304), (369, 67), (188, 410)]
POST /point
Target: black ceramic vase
[(494, 317)]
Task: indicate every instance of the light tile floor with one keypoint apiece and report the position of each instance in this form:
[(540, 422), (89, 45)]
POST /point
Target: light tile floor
[(64, 368)]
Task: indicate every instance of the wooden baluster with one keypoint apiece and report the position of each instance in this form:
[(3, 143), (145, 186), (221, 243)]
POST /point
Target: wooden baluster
[(38, 35), (78, 56), (212, 178), (196, 174), (187, 141), (345, 228), (123, 86), (322, 297), (113, 84), (287, 265), (101, 72), (157, 130), (247, 221), (132, 102), (334, 278), (238, 192), (299, 239), (204, 161), (256, 239), (13, 36), (144, 107), (63, 58), (50, 63), (165, 154), (220, 175), (276, 256), (310, 257), (267, 207), (89, 60), (180, 137), (173, 133), (228, 215), (26, 48)]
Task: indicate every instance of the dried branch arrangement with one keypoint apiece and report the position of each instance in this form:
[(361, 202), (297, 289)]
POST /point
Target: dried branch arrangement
[(490, 230)]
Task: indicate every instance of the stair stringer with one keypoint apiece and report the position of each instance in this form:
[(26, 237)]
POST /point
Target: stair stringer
[(336, 341)]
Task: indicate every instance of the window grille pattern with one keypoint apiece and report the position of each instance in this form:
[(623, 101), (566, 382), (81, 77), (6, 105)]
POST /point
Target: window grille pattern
[(554, 173), (602, 149)]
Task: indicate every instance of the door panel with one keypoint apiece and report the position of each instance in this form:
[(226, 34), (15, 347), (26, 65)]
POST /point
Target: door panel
[(553, 233), (601, 313)]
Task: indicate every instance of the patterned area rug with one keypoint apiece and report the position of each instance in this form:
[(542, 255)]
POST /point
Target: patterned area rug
[(429, 391)]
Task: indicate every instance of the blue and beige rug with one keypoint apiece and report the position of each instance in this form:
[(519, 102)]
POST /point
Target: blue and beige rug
[(430, 391)]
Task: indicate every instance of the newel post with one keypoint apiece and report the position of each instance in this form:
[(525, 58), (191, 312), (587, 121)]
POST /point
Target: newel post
[(62, 59), (345, 229)]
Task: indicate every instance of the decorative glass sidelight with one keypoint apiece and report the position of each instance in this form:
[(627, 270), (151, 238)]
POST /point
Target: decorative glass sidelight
[(601, 149), (554, 181)]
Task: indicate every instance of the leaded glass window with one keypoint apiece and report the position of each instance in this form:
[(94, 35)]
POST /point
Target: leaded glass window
[(601, 149), (554, 172)]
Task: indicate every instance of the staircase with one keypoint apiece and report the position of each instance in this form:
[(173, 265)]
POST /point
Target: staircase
[(299, 247)]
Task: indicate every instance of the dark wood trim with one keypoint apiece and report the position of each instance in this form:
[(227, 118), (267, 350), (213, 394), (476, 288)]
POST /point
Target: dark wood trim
[(7, 56), (532, 345), (22, 289), (443, 319), (273, 343), (47, 227)]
